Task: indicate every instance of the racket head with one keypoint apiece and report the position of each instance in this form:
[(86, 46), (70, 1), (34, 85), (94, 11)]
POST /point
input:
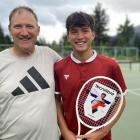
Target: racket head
[(94, 118)]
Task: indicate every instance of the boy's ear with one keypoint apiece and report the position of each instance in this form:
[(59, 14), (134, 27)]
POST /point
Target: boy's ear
[(68, 37), (93, 34)]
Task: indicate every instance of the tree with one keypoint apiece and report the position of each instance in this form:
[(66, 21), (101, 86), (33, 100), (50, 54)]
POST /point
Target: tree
[(137, 41), (125, 33), (101, 21), (41, 41), (2, 40), (7, 39)]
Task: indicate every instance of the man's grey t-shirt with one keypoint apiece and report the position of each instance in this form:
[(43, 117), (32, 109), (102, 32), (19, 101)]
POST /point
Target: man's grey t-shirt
[(27, 104)]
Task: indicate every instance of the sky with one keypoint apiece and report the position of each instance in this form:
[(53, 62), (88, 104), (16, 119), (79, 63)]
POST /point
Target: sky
[(53, 13)]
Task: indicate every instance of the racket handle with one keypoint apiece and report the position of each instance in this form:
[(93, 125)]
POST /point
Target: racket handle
[(81, 139)]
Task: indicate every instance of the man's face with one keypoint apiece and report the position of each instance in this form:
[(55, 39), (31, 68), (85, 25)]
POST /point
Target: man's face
[(24, 30), (81, 38)]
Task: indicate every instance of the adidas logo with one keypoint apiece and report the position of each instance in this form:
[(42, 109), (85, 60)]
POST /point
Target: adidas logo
[(37, 83)]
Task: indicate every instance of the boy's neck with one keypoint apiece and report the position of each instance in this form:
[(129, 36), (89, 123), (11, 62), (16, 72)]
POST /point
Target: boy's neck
[(83, 56)]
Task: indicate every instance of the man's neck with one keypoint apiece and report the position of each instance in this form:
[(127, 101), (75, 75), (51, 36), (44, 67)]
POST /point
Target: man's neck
[(22, 52)]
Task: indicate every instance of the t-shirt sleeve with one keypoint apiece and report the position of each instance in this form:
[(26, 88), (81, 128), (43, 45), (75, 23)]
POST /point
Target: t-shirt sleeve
[(56, 57), (57, 88)]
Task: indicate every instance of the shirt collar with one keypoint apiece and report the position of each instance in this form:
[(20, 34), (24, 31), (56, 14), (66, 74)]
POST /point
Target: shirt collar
[(92, 58)]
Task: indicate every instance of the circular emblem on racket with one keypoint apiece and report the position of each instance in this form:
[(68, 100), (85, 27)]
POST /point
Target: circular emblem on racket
[(98, 103)]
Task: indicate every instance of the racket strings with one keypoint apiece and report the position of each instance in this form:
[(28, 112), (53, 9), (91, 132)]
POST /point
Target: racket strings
[(115, 104), (112, 110)]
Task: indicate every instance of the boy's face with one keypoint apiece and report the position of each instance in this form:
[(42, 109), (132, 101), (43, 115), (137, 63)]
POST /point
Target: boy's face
[(81, 38)]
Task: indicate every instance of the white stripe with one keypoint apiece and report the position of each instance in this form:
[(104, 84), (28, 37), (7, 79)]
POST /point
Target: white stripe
[(57, 93), (34, 82), (92, 58), (132, 92), (136, 89)]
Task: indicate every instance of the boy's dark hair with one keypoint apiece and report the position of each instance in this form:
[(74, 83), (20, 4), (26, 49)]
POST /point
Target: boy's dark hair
[(79, 19)]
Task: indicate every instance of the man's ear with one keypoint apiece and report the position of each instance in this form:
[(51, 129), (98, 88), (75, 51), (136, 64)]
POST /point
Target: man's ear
[(38, 30), (9, 28)]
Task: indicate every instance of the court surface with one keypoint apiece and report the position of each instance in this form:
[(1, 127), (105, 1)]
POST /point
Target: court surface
[(128, 127)]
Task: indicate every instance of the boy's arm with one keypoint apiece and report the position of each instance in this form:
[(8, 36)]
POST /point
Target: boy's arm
[(66, 133), (99, 134)]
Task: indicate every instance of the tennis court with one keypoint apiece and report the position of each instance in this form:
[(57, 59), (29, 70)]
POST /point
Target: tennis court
[(128, 127)]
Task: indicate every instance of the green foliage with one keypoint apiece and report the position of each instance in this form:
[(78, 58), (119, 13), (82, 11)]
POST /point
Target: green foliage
[(125, 33), (137, 42), (41, 41), (101, 21), (64, 40), (7, 39), (2, 39), (125, 37)]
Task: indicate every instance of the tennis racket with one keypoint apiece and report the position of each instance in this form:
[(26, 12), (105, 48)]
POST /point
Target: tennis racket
[(98, 103)]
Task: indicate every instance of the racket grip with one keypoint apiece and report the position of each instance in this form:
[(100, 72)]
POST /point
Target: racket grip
[(81, 139)]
